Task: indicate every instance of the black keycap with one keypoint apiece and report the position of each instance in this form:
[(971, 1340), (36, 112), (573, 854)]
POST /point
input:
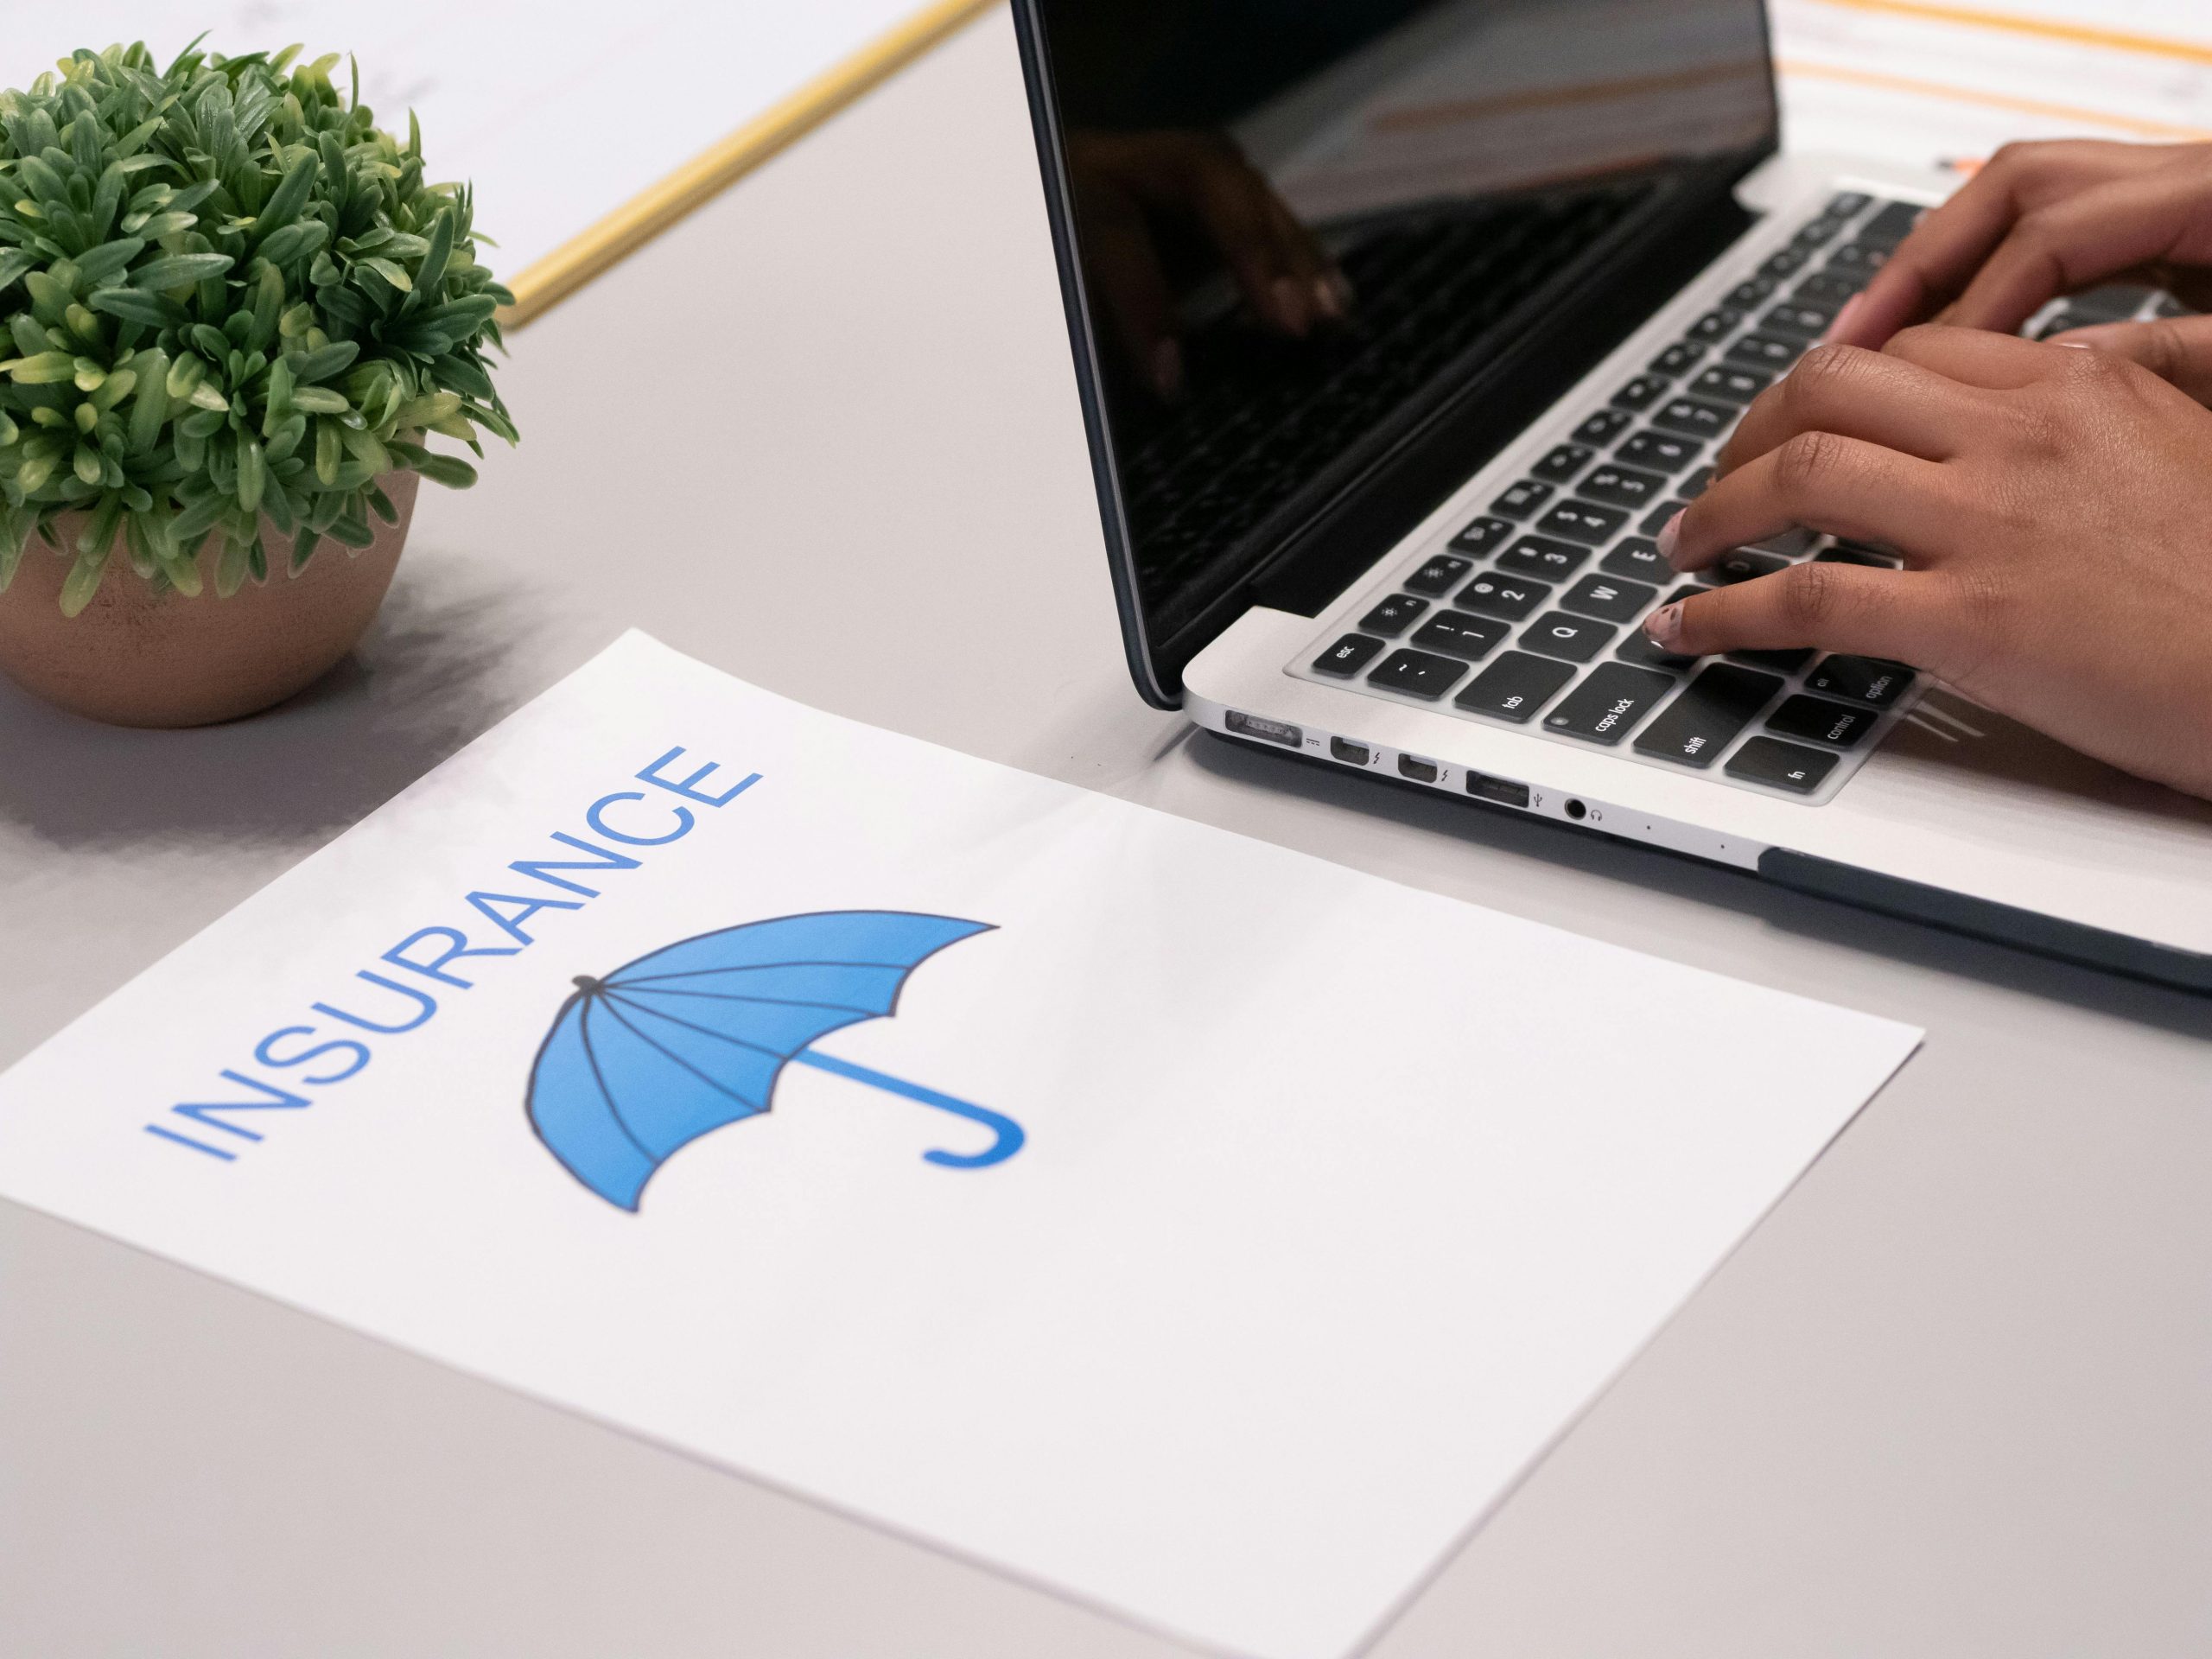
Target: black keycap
[(1741, 566), (1540, 556), (1348, 656), (1482, 535), (1456, 634), (1440, 575), (1605, 707), (1623, 486), (1570, 638), (1837, 724), (2113, 302), (1656, 520), (1607, 598), (1867, 680), (1781, 662), (1664, 452), (1748, 292), (1849, 205), (1693, 487), (1604, 427), (1563, 463), (1394, 615), (1717, 324), (2065, 323), (1418, 673), (1825, 288), (1875, 548), (1788, 543), (1677, 358), (1784, 262), (1513, 687), (1861, 254), (1822, 230), (1729, 385), (1893, 224), (2166, 306), (1807, 321), (1781, 765), (1511, 597), (1695, 417), (1845, 553), (1523, 498), (1637, 557), (1693, 729), (1765, 350), (1581, 522), (1641, 392), (1638, 648)]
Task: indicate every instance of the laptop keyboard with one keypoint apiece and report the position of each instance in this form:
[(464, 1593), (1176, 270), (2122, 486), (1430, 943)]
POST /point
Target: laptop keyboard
[(1268, 415), (1528, 613)]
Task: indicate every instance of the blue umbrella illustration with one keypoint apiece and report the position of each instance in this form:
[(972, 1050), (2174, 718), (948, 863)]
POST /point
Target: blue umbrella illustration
[(679, 1043)]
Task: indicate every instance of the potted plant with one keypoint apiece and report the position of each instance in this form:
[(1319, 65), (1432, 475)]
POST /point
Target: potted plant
[(233, 309)]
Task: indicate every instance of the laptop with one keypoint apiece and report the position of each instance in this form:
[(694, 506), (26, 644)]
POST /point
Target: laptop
[(1401, 521)]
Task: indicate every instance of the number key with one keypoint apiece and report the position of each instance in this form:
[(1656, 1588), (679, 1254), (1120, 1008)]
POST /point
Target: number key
[(1511, 597), (1765, 350), (1677, 358), (1662, 452), (1623, 486), (1695, 417), (1581, 522), (1540, 556), (1438, 576), (1730, 385)]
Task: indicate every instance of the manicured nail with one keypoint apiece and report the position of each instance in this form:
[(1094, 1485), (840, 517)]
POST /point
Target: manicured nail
[(1167, 368), (2076, 345), (1842, 318), (1664, 625), (1669, 533), (1327, 301)]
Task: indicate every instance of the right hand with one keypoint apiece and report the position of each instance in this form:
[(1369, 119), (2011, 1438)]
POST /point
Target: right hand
[(2046, 219)]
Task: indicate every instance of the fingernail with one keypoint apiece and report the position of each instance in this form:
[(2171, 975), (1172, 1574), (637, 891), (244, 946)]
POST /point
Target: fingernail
[(1664, 625), (1669, 533), (1326, 301), (2076, 345), (1842, 318), (1290, 304), (1167, 368)]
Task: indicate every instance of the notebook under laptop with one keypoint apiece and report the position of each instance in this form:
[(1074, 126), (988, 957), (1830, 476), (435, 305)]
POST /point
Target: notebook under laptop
[(1403, 524)]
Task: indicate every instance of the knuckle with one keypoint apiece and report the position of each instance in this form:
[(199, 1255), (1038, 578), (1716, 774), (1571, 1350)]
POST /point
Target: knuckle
[(1807, 462), (1820, 373), (1808, 597)]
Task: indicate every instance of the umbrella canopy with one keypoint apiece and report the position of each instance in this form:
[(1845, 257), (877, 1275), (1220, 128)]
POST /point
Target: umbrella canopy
[(687, 1039)]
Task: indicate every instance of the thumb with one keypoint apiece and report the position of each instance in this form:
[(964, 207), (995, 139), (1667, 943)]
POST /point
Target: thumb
[(2178, 350)]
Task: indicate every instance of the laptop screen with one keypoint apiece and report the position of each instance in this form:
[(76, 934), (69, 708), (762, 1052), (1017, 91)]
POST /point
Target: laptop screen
[(1290, 227)]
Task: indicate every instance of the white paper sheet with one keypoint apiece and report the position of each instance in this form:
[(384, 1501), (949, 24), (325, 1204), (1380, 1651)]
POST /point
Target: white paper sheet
[(1339, 1200), (560, 110), (1944, 85)]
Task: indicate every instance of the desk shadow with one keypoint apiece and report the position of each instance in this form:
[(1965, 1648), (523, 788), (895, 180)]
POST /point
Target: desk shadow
[(1920, 943), (425, 681)]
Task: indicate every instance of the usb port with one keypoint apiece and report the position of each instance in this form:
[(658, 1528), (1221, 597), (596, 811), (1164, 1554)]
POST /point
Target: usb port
[(1422, 772), (1353, 755), (1499, 790), (1268, 731)]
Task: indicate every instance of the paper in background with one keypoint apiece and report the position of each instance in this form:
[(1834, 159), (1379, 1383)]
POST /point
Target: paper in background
[(1340, 1200)]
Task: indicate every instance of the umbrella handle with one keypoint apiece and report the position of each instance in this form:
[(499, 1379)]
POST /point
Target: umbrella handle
[(1010, 1134)]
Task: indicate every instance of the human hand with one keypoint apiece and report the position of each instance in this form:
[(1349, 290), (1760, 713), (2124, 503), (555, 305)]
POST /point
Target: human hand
[(2044, 220), (2053, 507), (1121, 180)]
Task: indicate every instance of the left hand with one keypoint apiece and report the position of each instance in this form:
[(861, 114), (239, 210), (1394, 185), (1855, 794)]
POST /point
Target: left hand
[(2053, 507)]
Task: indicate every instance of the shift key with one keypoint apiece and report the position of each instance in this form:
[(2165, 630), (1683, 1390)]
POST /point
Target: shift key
[(1705, 717)]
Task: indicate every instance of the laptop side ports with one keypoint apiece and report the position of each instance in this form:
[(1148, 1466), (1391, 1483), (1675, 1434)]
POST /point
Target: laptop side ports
[(1352, 753), (1421, 771)]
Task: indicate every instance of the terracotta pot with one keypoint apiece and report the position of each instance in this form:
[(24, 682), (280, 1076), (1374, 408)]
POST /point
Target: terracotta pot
[(135, 658)]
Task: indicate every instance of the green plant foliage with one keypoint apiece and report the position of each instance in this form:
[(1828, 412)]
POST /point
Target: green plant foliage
[(233, 300)]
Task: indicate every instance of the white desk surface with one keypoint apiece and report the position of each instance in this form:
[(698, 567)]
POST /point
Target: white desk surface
[(1949, 1400)]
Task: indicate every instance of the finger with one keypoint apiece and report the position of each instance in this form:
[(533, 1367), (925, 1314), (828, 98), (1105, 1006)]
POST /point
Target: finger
[(1859, 394), (1302, 250), (1234, 205), (1846, 607), (1931, 267), (1992, 362), (1123, 262), (1819, 480), (2177, 350), (2069, 244)]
